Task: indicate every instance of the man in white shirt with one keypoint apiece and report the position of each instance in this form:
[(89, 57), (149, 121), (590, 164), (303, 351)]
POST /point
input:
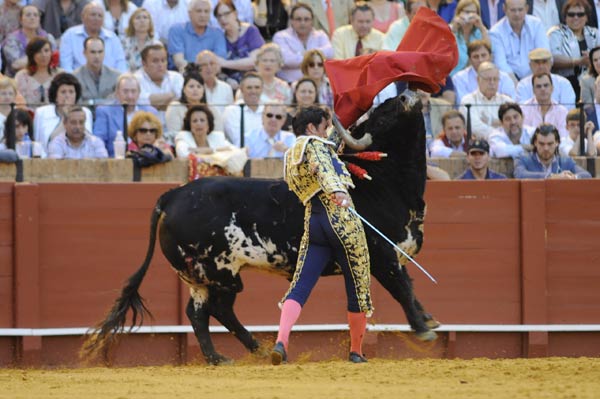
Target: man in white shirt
[(75, 143), (540, 61), (465, 81), (570, 145), (251, 87), (485, 101), (542, 109), (165, 14), (270, 141), (513, 138), (218, 93), (451, 142)]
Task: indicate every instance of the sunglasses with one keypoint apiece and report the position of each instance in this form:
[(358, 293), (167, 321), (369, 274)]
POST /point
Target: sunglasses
[(573, 14), (276, 116), (315, 64), (144, 130)]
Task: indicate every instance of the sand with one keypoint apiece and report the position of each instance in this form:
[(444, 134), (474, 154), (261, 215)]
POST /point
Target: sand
[(252, 378)]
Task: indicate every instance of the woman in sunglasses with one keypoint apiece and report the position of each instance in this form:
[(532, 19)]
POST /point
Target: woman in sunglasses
[(571, 42), (198, 135), (146, 130), (313, 67)]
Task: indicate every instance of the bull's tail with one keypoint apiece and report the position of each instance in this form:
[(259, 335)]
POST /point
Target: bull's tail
[(104, 334)]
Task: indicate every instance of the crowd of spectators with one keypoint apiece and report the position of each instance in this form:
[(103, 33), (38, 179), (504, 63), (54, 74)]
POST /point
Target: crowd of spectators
[(203, 76)]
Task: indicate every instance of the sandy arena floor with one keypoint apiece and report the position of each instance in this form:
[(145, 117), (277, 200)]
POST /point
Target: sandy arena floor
[(415, 379)]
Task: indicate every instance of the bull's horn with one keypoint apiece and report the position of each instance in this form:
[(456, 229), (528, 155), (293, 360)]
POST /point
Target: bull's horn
[(357, 145), (409, 98)]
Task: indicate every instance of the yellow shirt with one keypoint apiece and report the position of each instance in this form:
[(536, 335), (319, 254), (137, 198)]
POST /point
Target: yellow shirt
[(345, 38)]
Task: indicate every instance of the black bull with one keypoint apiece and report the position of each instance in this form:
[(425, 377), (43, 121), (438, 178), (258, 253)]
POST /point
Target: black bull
[(212, 227)]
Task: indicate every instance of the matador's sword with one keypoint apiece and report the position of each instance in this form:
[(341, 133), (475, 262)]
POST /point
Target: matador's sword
[(391, 242)]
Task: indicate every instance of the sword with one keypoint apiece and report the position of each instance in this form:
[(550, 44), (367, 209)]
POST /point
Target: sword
[(365, 221)]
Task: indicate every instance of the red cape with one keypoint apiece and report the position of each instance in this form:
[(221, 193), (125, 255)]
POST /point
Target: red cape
[(425, 57)]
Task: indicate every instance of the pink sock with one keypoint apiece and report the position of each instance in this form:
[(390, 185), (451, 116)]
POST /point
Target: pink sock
[(289, 314), (358, 326)]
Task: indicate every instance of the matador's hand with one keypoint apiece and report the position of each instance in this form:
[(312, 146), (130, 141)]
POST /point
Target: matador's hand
[(341, 198)]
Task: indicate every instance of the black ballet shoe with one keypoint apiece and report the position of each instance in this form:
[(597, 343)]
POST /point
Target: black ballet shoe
[(356, 358), (278, 354)]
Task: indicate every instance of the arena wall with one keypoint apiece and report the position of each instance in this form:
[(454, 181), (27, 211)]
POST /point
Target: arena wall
[(507, 254)]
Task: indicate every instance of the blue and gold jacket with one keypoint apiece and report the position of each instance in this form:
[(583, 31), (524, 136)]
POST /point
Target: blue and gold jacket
[(312, 165)]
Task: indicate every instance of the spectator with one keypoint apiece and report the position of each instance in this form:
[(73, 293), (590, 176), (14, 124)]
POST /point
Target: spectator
[(467, 26), (198, 135), (64, 93), (139, 34), (8, 95), (188, 39), (75, 142), (33, 82), (14, 46), (544, 162), (592, 111), (98, 81), (540, 61), (313, 66), (109, 117), (465, 81), (9, 17), (243, 41), (21, 120), (478, 158), (71, 45), (145, 130), (548, 11), (433, 110), (270, 141), (485, 101), (513, 138), (570, 145), (159, 86), (193, 93), (492, 11), (58, 16), (385, 13), (243, 8), (588, 80), (251, 88), (444, 8), (396, 31), (305, 94), (268, 63), (541, 108), (299, 38), (570, 43), (166, 14), (451, 142), (514, 36), (342, 9), (358, 37), (117, 15), (218, 93), (271, 16)]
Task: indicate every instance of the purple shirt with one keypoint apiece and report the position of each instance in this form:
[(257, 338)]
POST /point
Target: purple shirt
[(293, 50), (245, 44)]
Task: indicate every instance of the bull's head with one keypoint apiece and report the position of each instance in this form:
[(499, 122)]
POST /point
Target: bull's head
[(355, 144)]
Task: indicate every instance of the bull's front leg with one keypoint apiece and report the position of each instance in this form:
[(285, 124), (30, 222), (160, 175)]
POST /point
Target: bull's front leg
[(197, 311), (221, 307)]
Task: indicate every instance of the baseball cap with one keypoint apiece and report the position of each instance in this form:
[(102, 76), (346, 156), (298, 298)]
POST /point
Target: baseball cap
[(538, 54), (479, 145)]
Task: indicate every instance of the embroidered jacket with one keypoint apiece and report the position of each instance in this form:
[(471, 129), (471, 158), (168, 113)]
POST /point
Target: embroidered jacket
[(312, 165)]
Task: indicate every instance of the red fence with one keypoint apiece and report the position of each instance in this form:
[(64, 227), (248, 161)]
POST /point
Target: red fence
[(505, 253)]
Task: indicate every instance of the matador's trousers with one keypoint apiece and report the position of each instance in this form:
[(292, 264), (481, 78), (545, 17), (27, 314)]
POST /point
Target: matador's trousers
[(332, 232)]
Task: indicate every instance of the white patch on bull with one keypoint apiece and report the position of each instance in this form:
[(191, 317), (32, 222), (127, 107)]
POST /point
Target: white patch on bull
[(409, 245), (243, 252), (199, 295)]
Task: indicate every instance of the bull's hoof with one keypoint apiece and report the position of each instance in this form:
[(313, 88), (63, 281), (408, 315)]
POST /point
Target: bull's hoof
[(219, 360), (426, 336), (431, 323)]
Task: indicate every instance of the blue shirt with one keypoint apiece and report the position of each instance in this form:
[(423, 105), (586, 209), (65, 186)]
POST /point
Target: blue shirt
[(490, 175), (257, 142), (71, 49), (529, 167), (511, 52), (183, 39)]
